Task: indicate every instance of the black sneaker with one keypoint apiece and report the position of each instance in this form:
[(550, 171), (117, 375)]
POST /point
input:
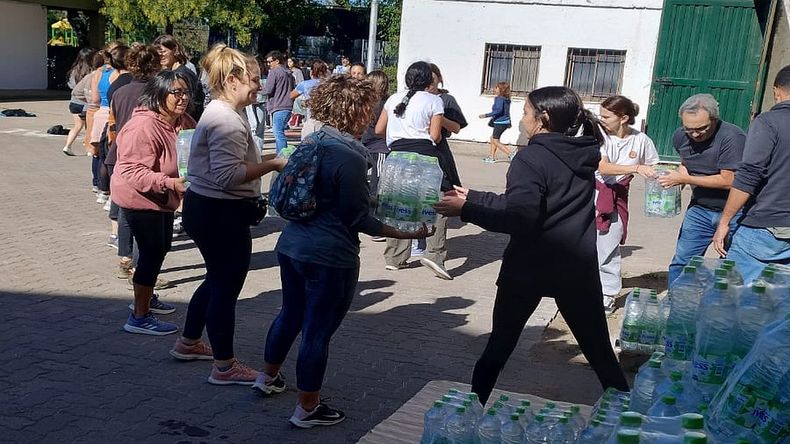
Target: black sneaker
[(270, 387), (323, 415)]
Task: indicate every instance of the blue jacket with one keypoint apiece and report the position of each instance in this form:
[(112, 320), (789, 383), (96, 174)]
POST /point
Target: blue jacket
[(765, 170), (500, 112)]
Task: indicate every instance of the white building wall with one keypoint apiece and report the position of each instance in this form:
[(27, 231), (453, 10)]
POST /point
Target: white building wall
[(23, 46), (453, 34)]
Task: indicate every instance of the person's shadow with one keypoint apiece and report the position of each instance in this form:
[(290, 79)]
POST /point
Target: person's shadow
[(478, 249)]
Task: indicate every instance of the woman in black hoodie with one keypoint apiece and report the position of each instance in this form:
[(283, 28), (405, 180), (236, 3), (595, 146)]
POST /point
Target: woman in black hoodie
[(548, 211)]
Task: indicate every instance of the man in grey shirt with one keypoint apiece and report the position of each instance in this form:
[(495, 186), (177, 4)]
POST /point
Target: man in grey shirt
[(762, 184), (279, 84)]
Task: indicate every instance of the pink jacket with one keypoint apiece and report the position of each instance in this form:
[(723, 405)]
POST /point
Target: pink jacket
[(147, 168)]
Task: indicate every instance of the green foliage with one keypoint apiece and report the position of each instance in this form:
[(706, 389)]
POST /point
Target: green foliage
[(392, 74)]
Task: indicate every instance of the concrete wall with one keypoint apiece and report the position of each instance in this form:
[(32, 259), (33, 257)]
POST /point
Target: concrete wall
[(23, 46), (453, 34), (779, 55)]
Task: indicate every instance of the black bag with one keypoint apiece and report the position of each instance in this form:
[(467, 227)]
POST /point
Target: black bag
[(256, 209)]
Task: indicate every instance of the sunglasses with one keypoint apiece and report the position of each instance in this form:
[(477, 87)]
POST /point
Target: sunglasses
[(180, 93)]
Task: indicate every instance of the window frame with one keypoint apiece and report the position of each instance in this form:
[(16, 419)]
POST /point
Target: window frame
[(599, 53), (532, 59)]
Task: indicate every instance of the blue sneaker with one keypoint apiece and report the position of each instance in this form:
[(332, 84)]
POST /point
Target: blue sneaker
[(149, 325), (157, 306)]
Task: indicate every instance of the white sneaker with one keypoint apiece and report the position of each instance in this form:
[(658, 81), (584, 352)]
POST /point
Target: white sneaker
[(107, 204), (437, 269), (608, 304), (67, 151), (101, 197)]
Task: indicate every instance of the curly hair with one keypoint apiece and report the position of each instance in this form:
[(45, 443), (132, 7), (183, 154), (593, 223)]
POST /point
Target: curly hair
[(344, 103), (143, 61)]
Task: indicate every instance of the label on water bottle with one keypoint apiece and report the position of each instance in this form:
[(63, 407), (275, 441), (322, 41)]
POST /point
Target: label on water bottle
[(710, 368), (428, 214), (387, 208), (678, 345), (648, 337), (630, 332), (404, 211), (770, 421)]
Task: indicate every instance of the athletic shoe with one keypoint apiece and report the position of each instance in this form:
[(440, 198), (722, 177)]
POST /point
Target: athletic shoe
[(67, 151), (149, 325), (608, 304), (512, 155), (437, 269), (270, 386), (101, 197), (378, 239), (197, 351), (112, 241), (124, 268), (160, 284), (322, 415), (107, 205), (393, 267), (238, 373), (157, 306), (488, 159), (95, 189), (416, 251)]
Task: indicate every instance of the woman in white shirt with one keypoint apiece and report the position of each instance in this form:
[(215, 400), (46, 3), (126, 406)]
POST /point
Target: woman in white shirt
[(625, 153), (412, 121)]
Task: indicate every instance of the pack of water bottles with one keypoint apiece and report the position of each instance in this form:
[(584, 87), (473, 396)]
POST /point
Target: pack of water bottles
[(459, 418), (643, 322), (660, 201), (409, 186)]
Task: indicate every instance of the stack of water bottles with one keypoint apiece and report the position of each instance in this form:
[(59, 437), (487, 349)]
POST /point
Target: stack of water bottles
[(409, 186), (183, 147), (643, 322), (458, 418)]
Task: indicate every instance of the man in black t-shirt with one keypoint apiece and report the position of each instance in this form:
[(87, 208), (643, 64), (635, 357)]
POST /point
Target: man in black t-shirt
[(710, 151)]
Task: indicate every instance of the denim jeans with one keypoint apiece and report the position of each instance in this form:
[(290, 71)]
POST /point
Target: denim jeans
[(696, 234), (279, 121), (316, 298), (754, 248)]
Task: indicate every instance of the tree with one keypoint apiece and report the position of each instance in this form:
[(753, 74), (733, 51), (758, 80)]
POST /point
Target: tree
[(388, 20)]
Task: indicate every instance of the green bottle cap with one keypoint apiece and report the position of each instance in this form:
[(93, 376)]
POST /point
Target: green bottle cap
[(692, 421), (721, 272), (631, 419), (695, 438), (447, 398), (669, 399), (628, 437), (721, 285), (473, 396), (676, 375), (514, 417), (676, 387), (460, 410), (504, 398), (491, 412), (576, 409), (768, 273), (758, 288), (525, 403), (595, 422), (521, 410), (452, 392), (539, 418), (498, 405), (564, 420), (697, 260), (689, 269), (653, 363), (467, 403), (728, 262), (551, 405), (438, 404)]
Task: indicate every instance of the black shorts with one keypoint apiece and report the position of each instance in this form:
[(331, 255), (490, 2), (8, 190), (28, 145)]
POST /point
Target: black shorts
[(77, 108), (498, 130)]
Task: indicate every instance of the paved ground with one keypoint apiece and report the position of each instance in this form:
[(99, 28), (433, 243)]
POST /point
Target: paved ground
[(71, 374)]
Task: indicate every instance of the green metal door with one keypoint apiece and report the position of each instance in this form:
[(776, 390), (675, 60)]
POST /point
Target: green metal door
[(710, 46)]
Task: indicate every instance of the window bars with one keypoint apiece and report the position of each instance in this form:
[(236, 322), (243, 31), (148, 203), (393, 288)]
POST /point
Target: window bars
[(514, 64), (595, 74)]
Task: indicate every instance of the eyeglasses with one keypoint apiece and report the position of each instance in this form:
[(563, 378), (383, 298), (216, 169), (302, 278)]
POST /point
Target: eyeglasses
[(179, 93), (700, 130)]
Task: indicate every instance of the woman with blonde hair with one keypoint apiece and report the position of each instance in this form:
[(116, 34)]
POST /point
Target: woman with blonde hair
[(222, 202), (319, 258)]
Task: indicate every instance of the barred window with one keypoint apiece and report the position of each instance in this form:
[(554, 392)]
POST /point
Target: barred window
[(595, 73), (514, 64)]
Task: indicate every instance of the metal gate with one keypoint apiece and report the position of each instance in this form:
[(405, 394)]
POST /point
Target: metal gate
[(711, 46)]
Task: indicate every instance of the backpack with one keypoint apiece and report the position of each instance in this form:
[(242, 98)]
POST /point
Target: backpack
[(293, 194)]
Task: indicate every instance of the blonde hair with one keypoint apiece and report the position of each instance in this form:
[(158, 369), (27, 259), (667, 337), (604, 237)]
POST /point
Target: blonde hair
[(344, 103), (221, 62)]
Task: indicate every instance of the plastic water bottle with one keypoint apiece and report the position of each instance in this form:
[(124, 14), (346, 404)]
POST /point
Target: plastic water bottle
[(407, 190), (676, 376), (665, 408), (430, 190), (632, 324), (714, 342), (577, 421), (434, 419), (527, 406), (755, 402), (512, 433), (695, 438), (385, 208), (561, 433), (505, 410), (735, 276), (183, 148), (456, 428), (754, 312), (644, 386), (651, 324), (594, 433), (627, 437), (680, 330), (524, 417), (488, 429), (537, 431)]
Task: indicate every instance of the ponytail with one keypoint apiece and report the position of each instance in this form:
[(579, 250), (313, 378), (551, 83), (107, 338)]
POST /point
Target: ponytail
[(590, 126), (401, 108)]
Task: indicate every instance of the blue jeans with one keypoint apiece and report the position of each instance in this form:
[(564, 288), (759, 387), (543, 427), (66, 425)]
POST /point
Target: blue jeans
[(754, 248), (279, 121), (316, 298), (696, 234)]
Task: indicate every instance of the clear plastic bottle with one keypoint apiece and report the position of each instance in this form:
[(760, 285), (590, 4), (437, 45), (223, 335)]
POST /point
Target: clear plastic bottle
[(695, 438), (594, 433), (627, 437), (644, 386), (512, 432), (524, 417), (430, 190), (488, 429), (735, 277), (665, 408), (505, 410), (434, 420), (456, 428), (754, 311), (476, 407), (386, 194), (183, 148), (632, 324), (665, 385), (577, 420), (714, 342), (650, 333), (562, 432), (680, 330), (537, 431), (407, 193)]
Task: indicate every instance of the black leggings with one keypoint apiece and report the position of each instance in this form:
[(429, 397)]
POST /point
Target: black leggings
[(221, 232), (153, 231), (585, 316)]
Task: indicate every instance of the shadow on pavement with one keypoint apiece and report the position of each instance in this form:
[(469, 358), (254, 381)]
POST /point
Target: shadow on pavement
[(478, 249)]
